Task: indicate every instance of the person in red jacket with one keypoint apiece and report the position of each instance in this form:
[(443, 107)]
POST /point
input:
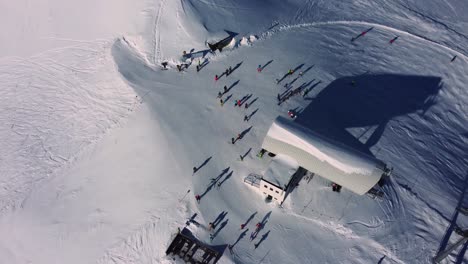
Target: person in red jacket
[(258, 225)]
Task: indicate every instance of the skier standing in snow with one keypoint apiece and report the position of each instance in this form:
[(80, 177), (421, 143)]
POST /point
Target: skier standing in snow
[(220, 94), (261, 153), (246, 118), (259, 69), (291, 113), (216, 77), (225, 89), (393, 40), (221, 102), (246, 105), (258, 225), (198, 197), (233, 141)]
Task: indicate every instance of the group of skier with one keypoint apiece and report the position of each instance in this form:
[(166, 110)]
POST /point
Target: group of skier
[(290, 92), (239, 103), (227, 72)]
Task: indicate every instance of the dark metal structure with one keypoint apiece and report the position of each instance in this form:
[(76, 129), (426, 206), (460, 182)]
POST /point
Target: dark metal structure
[(191, 250), (222, 43)]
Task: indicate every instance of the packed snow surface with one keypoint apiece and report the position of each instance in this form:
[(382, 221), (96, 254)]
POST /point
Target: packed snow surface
[(98, 141)]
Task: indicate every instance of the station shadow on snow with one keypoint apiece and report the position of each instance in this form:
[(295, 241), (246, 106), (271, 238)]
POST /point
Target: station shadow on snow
[(367, 101)]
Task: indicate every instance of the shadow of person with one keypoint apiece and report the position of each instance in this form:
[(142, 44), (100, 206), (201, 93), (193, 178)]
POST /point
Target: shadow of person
[(221, 227), (264, 236), (242, 235), (203, 164), (381, 260)]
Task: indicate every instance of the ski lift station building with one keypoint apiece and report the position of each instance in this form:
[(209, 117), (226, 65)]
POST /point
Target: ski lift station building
[(355, 171), (278, 178)]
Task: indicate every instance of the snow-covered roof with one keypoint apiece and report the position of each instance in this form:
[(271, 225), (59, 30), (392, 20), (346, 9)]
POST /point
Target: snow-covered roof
[(353, 170), (280, 170)]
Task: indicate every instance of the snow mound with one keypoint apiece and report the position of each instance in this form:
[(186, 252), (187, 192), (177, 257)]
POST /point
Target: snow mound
[(247, 41), (253, 38), (244, 42)]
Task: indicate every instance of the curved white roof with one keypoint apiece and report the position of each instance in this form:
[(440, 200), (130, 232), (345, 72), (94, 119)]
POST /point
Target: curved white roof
[(349, 168)]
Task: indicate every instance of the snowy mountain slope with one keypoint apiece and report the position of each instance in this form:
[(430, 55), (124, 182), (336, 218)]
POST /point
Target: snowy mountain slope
[(439, 21), (425, 92), (78, 216), (53, 110), (32, 27), (115, 198)]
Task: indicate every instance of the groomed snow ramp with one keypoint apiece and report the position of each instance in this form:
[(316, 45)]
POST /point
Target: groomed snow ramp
[(332, 160)]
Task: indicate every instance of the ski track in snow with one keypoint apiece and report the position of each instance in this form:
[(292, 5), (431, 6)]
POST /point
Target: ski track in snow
[(41, 93), (222, 6), (365, 224), (348, 233), (157, 53), (433, 20), (367, 24), (139, 247), (304, 9), (131, 249)]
